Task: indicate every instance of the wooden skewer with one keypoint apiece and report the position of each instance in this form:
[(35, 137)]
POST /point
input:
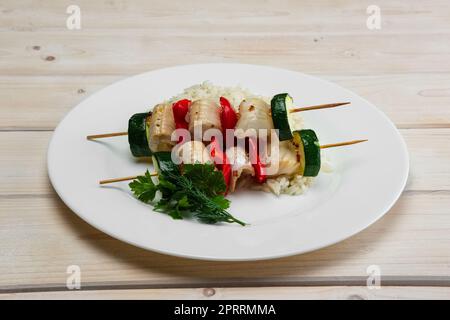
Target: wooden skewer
[(320, 106), (332, 145), (123, 179), (106, 135)]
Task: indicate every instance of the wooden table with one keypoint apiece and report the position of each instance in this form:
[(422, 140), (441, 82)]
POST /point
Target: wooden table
[(46, 69)]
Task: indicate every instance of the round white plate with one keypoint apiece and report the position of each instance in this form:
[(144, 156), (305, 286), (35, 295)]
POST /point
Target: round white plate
[(367, 179)]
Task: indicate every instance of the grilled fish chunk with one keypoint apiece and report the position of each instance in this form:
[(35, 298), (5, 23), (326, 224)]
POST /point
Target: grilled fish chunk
[(160, 128), (204, 113)]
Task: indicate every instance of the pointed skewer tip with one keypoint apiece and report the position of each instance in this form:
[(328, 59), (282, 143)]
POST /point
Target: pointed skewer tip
[(320, 106), (106, 135), (339, 144), (123, 179)]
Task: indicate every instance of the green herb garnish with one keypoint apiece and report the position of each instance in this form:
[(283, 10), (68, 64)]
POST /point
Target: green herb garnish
[(197, 192)]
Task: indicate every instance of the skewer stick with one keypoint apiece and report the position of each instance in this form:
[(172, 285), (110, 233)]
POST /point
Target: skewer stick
[(332, 145), (123, 179), (320, 106), (106, 135)]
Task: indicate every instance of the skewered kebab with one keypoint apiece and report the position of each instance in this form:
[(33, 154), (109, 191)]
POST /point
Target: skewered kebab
[(197, 188), (152, 132), (301, 156), (157, 127), (253, 114)]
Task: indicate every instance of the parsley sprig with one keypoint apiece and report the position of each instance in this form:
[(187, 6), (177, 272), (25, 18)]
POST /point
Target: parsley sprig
[(197, 192)]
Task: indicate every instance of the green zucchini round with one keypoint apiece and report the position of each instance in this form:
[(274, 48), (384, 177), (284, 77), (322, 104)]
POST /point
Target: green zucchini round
[(308, 148), (162, 161), (280, 106), (138, 135)]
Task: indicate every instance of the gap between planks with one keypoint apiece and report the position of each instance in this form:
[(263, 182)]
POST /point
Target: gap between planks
[(274, 293), (386, 281), (194, 33)]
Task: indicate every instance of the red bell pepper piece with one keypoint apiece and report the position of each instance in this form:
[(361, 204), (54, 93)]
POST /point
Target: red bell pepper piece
[(227, 172), (260, 171), (228, 116), (180, 110), (221, 161)]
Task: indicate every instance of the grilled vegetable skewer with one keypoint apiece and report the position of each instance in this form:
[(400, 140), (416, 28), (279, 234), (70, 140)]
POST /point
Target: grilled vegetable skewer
[(254, 113), (305, 141)]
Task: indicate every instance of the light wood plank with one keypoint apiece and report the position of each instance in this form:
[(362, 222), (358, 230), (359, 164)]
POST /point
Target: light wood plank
[(40, 237), (39, 103), (263, 293), (251, 16), (110, 52)]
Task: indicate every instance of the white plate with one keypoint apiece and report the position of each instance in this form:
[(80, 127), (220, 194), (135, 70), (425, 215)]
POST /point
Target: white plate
[(367, 180)]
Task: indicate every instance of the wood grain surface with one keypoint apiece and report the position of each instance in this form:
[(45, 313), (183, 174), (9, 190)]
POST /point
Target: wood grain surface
[(46, 70)]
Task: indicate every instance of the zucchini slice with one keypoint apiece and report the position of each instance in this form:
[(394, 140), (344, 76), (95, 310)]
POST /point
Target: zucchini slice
[(280, 106), (162, 161), (308, 149), (138, 134)]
